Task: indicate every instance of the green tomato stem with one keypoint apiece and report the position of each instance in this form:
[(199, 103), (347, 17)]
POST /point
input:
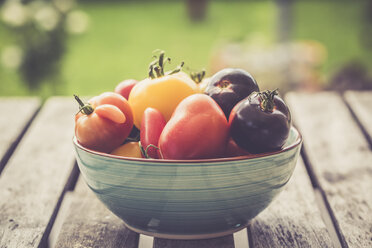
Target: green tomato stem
[(145, 151), (156, 68), (85, 108), (198, 76), (267, 100)]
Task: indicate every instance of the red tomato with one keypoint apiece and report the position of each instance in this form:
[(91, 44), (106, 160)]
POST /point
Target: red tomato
[(125, 87), (104, 123), (197, 129), (233, 150), (152, 125)]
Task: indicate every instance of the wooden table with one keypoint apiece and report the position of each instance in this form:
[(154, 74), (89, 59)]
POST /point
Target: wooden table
[(327, 203)]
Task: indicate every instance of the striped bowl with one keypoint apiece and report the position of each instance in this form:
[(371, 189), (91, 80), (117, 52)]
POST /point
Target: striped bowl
[(188, 199)]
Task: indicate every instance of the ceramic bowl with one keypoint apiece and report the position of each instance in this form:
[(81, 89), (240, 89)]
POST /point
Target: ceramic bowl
[(188, 199)]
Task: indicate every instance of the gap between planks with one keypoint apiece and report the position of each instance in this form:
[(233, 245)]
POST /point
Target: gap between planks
[(327, 216), (322, 203), (63, 206), (349, 98), (334, 175), (9, 152), (29, 203), (69, 186)]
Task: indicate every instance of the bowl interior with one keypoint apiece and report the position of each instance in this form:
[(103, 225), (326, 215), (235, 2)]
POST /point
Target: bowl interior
[(294, 140)]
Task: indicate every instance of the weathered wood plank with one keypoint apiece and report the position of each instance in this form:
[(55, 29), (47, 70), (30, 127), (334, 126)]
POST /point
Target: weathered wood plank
[(341, 161), (361, 104), (15, 115), (293, 219), (90, 224), (35, 177)]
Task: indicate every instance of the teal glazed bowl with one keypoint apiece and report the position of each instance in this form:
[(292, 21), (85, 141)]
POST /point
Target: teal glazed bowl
[(188, 199)]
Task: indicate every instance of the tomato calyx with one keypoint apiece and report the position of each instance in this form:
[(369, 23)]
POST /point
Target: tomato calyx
[(84, 108), (156, 68), (197, 76), (267, 100)]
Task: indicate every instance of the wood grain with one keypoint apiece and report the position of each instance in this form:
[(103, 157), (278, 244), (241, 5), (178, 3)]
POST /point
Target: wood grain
[(90, 224), (34, 179), (341, 161), (15, 115), (293, 219), (361, 104)]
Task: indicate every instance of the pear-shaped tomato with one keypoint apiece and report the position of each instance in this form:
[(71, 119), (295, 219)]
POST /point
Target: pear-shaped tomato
[(162, 91), (152, 125), (198, 129)]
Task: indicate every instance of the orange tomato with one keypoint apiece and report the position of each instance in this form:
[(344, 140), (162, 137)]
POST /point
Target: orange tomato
[(130, 149)]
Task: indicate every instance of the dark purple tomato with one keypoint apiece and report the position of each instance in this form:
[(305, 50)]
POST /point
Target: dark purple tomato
[(229, 86), (260, 123)]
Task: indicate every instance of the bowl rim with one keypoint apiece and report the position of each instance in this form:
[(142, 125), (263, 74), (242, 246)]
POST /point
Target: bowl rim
[(296, 143)]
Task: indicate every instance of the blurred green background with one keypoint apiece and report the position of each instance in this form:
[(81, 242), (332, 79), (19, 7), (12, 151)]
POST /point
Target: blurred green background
[(117, 38)]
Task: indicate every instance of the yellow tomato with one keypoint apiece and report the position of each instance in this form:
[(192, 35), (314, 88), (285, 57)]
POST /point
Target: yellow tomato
[(162, 93), (130, 149)]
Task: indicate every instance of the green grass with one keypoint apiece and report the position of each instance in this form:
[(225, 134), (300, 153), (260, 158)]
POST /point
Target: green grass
[(122, 36), (338, 25)]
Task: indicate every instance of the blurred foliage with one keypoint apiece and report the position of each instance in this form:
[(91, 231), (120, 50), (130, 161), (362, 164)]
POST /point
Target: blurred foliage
[(121, 39), (38, 29), (339, 26), (123, 34)]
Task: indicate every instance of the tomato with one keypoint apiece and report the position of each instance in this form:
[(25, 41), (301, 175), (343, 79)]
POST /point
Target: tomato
[(104, 123), (233, 150), (130, 149), (125, 87), (162, 91), (229, 86), (198, 129), (152, 125), (261, 122)]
